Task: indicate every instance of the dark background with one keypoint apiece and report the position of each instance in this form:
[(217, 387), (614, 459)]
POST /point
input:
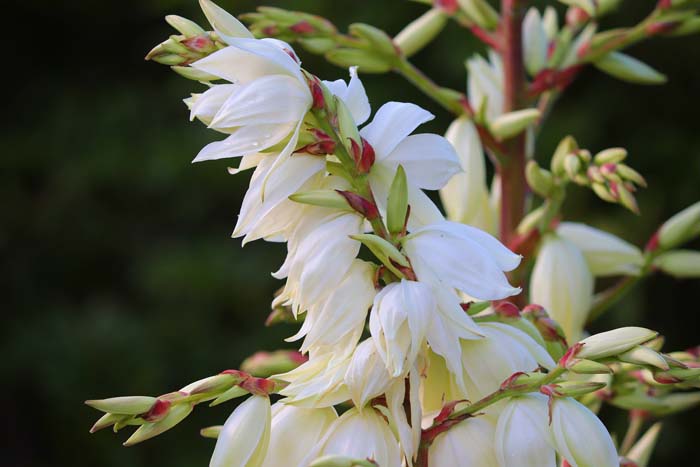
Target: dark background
[(119, 276)]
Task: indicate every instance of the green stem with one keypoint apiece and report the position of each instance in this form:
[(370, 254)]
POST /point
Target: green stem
[(449, 99)]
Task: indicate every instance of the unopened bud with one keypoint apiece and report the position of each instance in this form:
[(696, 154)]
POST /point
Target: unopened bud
[(540, 180), (418, 33), (572, 388), (625, 196), (128, 405), (610, 156), (323, 198), (566, 146), (211, 431), (184, 26), (149, 430), (679, 263), (366, 61), (265, 364), (630, 69), (641, 452), (193, 73), (108, 420), (513, 123), (232, 393), (572, 165), (682, 227), (642, 355), (378, 40), (587, 367), (383, 250), (480, 12), (346, 125), (397, 202), (615, 342), (360, 204), (603, 192), (677, 375), (628, 173), (217, 383)]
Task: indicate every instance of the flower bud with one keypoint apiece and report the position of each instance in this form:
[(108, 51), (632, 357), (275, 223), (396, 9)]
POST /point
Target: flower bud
[(324, 198), (603, 192), (513, 123), (419, 32), (364, 60), (397, 203), (682, 227), (184, 26), (641, 355), (610, 156), (193, 73), (540, 180), (615, 342), (587, 367), (641, 452), (212, 432), (266, 364), (176, 414), (378, 40), (244, 439), (580, 437), (565, 147), (347, 126), (605, 254), (480, 12), (383, 250), (680, 263), (630, 69), (222, 21), (107, 420), (127, 405)]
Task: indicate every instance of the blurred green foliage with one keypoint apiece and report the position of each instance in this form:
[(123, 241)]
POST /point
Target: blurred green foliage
[(118, 273)]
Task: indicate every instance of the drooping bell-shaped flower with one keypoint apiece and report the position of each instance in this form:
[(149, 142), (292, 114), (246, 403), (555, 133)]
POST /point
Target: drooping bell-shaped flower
[(294, 430), (562, 283), (399, 323), (366, 376), (523, 437), (535, 42), (485, 84), (467, 444), (245, 436), (361, 435), (580, 437), (466, 196), (457, 256), (429, 160), (318, 382), (503, 351), (605, 254)]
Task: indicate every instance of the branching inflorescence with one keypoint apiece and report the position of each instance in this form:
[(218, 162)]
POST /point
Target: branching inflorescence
[(416, 357)]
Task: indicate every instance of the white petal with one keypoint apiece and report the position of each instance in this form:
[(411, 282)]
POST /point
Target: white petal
[(392, 123), (241, 66), (429, 160), (353, 94), (222, 21), (522, 435), (267, 100), (245, 435), (245, 140)]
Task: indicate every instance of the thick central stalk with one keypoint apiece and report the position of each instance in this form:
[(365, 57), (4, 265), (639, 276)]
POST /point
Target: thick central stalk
[(512, 166)]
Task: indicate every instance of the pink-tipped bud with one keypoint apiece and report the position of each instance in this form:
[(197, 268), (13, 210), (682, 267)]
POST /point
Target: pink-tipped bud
[(664, 4), (302, 27), (200, 44), (576, 16), (258, 386), (319, 102), (319, 148), (159, 410), (512, 381), (653, 243), (365, 207), (448, 6), (608, 169), (366, 158), (661, 27), (507, 310)]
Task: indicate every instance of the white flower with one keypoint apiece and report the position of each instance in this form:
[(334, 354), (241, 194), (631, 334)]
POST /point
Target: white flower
[(360, 435), (367, 376), (523, 437), (562, 283), (466, 197), (485, 84), (293, 431), (580, 437), (320, 253), (408, 433), (467, 444), (605, 254), (503, 351), (339, 319), (399, 323), (429, 160), (319, 382), (456, 256), (244, 439)]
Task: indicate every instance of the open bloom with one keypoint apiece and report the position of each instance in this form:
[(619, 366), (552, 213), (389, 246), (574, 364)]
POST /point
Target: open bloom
[(399, 323), (562, 283), (293, 431), (367, 376), (244, 439), (605, 254), (429, 160), (523, 437), (360, 435), (466, 196), (467, 444)]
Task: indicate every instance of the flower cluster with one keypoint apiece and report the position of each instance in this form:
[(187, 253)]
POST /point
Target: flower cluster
[(409, 353)]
